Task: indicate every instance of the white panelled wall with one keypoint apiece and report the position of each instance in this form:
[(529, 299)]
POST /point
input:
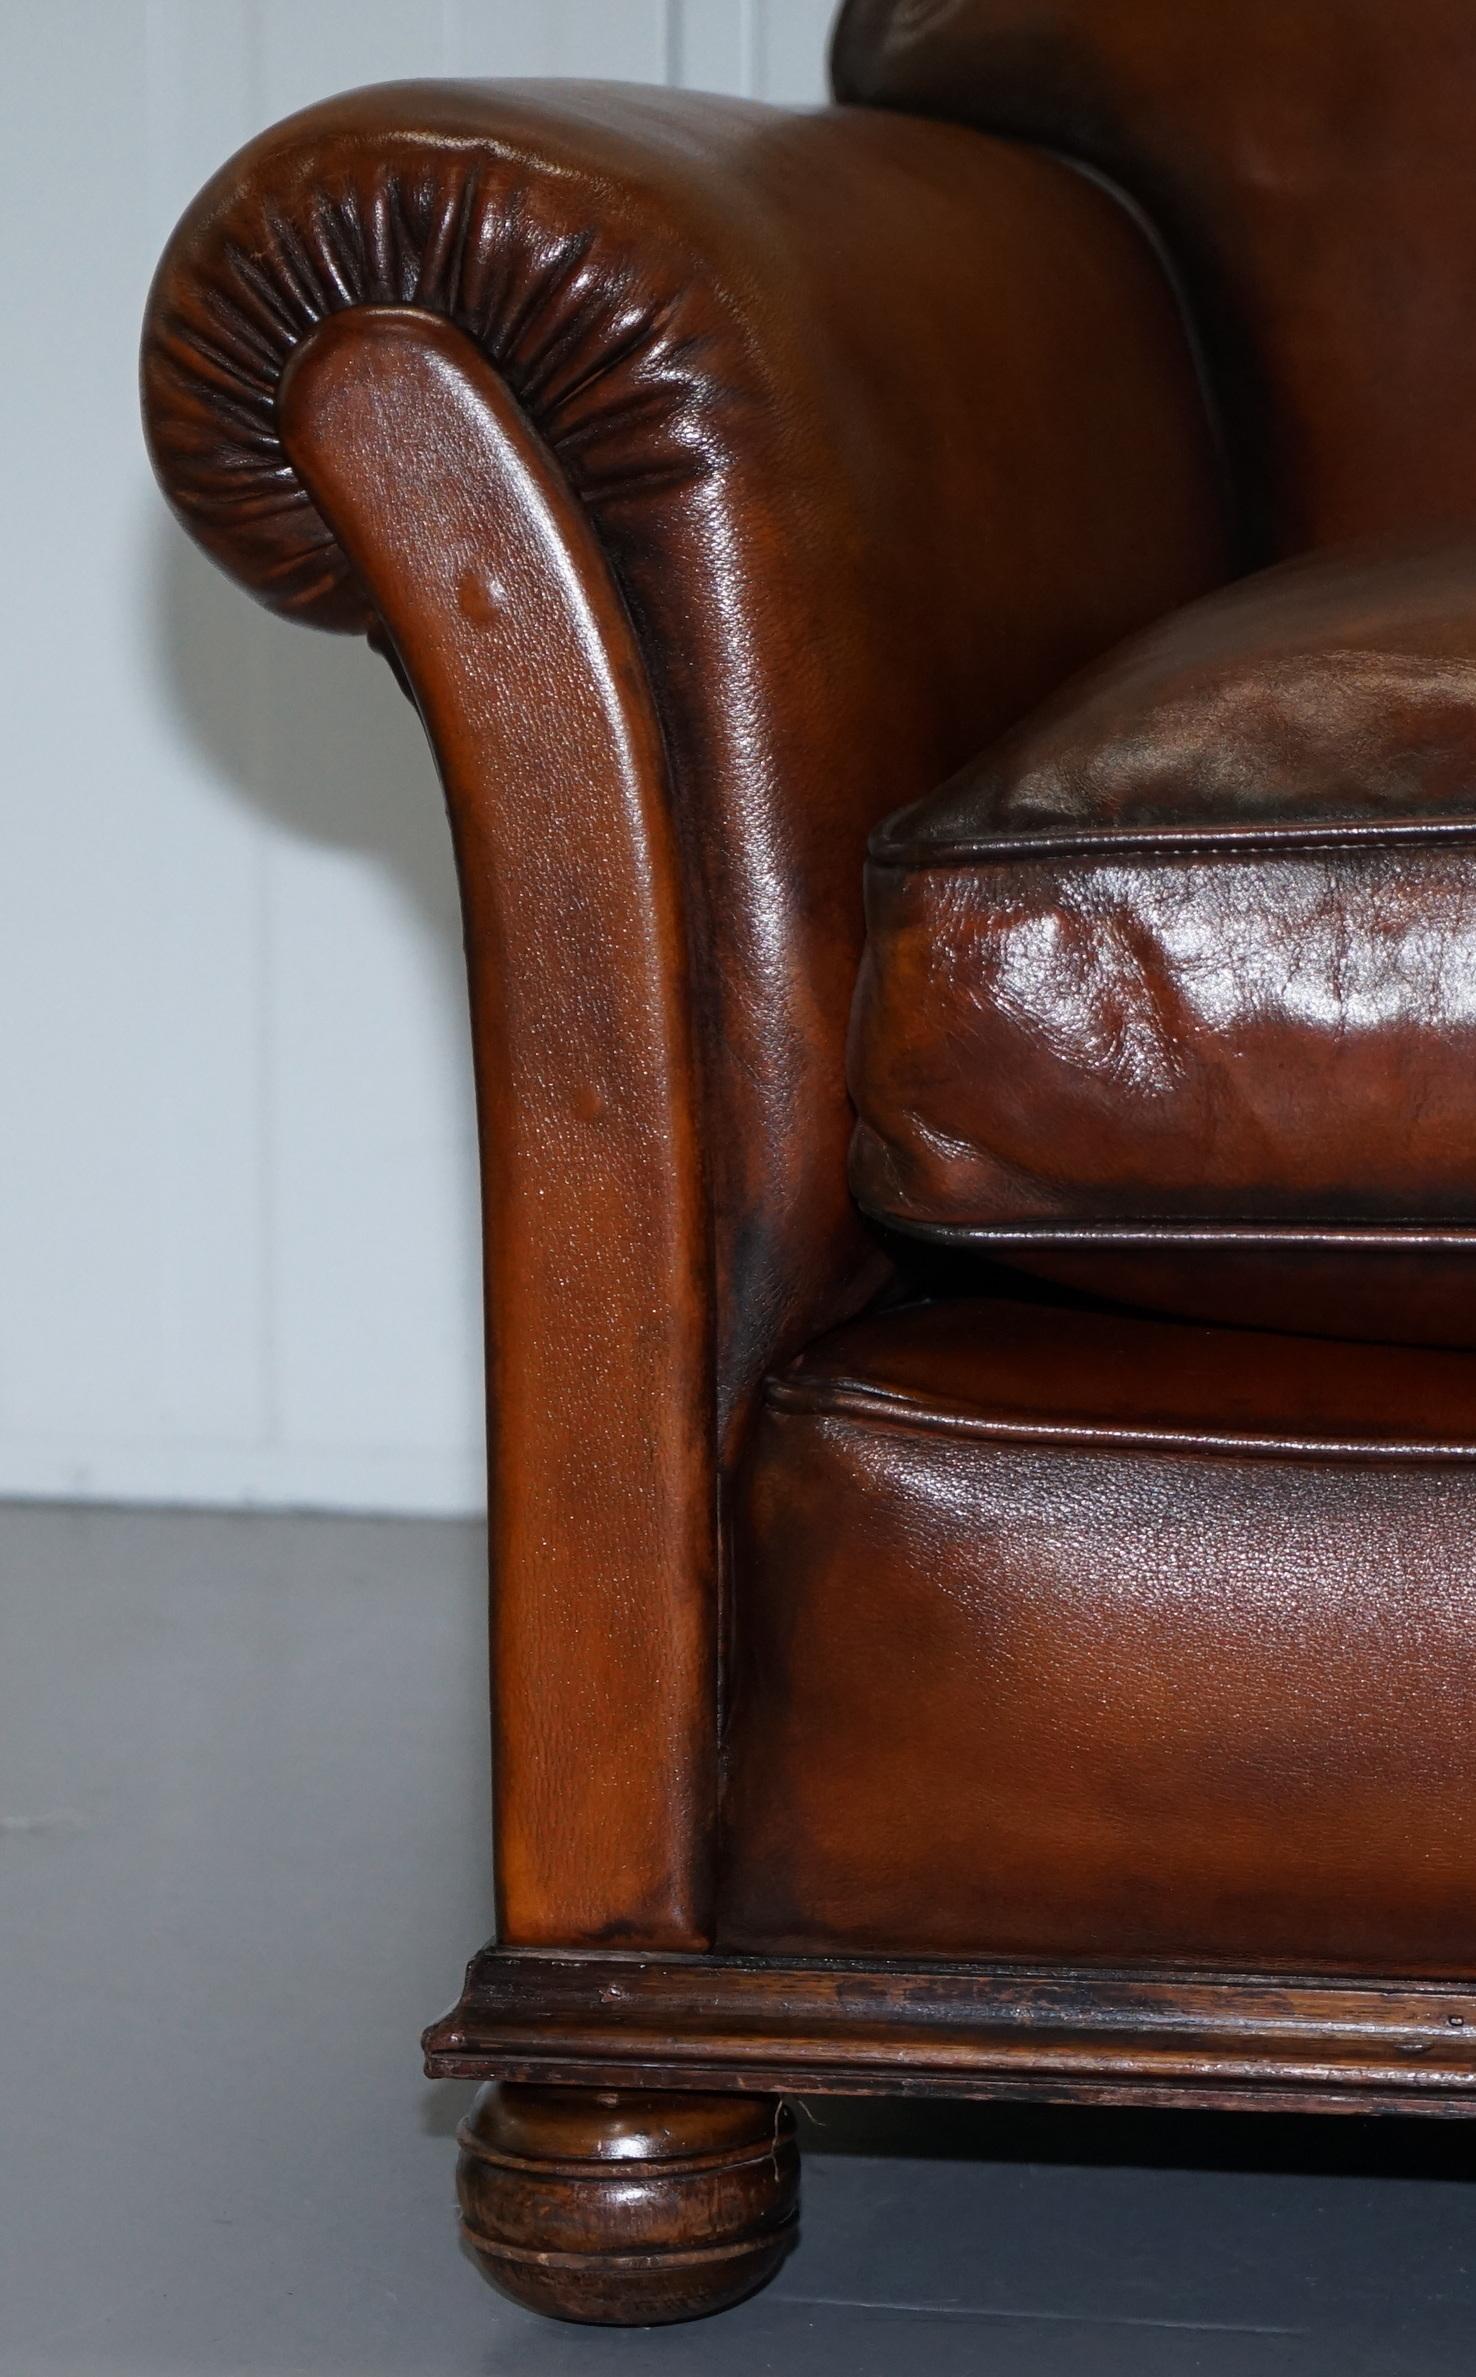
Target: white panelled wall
[(237, 1197)]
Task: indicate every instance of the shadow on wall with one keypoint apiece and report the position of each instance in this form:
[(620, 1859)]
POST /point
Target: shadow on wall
[(309, 730), (308, 735)]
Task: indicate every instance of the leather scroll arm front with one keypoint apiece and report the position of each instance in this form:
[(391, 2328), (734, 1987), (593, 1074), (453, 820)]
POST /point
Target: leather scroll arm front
[(806, 450), (501, 611)]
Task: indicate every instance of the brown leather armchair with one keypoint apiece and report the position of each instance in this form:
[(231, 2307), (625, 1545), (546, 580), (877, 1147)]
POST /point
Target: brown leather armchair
[(1002, 1626)]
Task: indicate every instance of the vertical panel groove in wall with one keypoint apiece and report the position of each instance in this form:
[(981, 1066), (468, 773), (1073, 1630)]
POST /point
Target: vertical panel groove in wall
[(755, 49)]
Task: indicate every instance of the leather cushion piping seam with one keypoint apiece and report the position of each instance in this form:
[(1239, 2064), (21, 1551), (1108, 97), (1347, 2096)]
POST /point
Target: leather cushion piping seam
[(1383, 1238), (1107, 843), (853, 1399)]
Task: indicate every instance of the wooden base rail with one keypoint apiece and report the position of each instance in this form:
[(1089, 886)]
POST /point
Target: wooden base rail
[(852, 2028)]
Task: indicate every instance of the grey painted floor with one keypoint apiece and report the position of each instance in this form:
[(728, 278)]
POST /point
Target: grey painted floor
[(242, 1857)]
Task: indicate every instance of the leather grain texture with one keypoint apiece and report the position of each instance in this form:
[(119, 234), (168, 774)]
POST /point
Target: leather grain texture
[(1110, 1640), (1308, 165), (1193, 950), (829, 389)]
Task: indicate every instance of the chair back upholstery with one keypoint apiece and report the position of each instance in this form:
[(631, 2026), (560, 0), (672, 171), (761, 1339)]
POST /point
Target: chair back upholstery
[(1311, 168)]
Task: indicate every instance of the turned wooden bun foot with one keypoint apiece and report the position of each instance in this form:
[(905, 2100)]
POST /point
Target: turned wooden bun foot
[(627, 2209)]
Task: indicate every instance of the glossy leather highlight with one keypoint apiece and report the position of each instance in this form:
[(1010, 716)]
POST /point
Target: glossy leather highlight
[(1193, 950)]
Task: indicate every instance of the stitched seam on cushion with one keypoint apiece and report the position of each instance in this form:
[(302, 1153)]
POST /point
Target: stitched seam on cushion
[(853, 1399), (1169, 842), (1383, 1237)]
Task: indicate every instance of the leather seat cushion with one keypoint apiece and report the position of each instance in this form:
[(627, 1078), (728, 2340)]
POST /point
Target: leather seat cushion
[(1173, 992), (1084, 1635)]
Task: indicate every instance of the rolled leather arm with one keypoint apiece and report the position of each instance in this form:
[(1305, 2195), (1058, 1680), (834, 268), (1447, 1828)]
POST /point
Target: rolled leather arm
[(884, 428), (719, 479)]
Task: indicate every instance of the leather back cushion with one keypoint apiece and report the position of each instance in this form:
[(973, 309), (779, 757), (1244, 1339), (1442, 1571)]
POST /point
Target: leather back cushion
[(1188, 963), (1308, 163)]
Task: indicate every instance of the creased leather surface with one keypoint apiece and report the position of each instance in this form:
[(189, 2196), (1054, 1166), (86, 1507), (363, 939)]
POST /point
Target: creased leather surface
[(1308, 163), (1016, 1679), (1336, 690), (830, 387), (1195, 946)]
